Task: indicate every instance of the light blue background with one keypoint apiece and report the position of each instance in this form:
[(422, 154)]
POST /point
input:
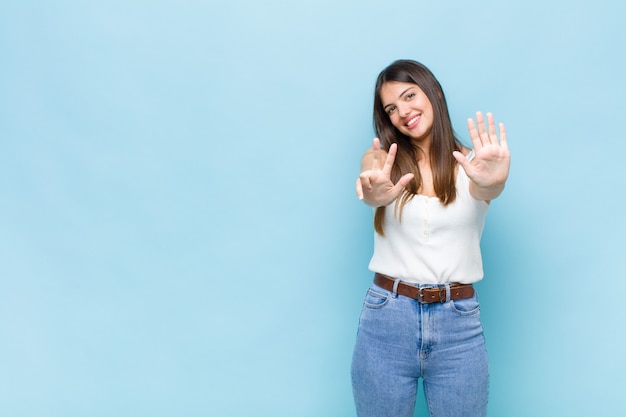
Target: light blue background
[(179, 230)]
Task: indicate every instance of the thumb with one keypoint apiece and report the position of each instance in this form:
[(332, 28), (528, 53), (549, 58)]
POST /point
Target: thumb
[(402, 182), (359, 189), (405, 180), (461, 159)]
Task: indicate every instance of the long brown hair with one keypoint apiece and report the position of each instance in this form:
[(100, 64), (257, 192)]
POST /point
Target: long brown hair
[(443, 143)]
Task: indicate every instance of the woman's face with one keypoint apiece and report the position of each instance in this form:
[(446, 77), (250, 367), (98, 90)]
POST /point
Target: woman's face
[(408, 108)]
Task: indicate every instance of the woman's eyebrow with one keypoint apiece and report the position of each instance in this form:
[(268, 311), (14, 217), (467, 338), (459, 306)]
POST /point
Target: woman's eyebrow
[(401, 94)]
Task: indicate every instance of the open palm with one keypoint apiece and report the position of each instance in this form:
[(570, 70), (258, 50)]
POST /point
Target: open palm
[(489, 168)]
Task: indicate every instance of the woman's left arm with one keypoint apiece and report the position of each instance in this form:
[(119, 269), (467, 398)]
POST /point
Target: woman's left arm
[(489, 168)]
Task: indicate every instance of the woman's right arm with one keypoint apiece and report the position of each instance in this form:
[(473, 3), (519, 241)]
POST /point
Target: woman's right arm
[(374, 185)]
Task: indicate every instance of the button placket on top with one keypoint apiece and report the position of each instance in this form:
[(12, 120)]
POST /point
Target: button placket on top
[(426, 223)]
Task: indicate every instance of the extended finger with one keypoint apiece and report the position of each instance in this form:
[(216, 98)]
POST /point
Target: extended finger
[(376, 164), (391, 157), (503, 141), (476, 142), (493, 138), (482, 129)]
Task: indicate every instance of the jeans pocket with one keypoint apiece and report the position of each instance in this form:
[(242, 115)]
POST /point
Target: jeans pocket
[(466, 306), (375, 299)]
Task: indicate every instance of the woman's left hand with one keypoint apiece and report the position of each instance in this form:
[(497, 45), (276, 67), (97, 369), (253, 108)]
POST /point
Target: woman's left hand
[(489, 168)]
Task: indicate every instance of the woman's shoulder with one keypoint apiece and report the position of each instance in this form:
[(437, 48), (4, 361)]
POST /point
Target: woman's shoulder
[(368, 158), (369, 153)]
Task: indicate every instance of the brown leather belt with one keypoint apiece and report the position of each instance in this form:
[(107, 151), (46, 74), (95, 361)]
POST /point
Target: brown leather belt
[(425, 295)]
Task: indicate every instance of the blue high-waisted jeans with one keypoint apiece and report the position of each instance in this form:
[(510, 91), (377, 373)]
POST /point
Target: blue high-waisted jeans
[(400, 341)]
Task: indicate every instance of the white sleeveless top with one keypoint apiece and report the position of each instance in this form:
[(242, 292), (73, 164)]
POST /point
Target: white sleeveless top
[(433, 243)]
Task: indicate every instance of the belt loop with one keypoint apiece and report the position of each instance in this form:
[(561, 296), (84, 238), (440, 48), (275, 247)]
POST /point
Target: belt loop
[(448, 294), (394, 292)]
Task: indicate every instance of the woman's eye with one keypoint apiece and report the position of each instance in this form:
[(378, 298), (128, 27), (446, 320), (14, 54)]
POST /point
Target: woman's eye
[(390, 110), (410, 96)]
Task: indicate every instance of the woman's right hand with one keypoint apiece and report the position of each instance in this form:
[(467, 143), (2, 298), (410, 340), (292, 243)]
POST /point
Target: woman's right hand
[(374, 185)]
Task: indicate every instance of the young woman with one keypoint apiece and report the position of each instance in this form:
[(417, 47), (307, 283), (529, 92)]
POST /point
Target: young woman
[(420, 318)]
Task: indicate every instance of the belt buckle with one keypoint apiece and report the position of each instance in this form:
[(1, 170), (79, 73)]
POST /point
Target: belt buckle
[(442, 294), (420, 294)]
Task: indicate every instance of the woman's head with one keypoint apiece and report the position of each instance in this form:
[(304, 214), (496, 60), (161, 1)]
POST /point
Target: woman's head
[(409, 72), (409, 110)]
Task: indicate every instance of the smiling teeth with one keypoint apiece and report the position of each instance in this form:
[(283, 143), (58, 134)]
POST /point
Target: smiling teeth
[(413, 120)]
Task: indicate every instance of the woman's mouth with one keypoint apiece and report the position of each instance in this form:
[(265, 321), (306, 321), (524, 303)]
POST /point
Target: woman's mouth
[(412, 122)]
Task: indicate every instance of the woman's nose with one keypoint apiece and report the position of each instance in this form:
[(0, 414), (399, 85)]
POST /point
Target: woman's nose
[(404, 110)]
